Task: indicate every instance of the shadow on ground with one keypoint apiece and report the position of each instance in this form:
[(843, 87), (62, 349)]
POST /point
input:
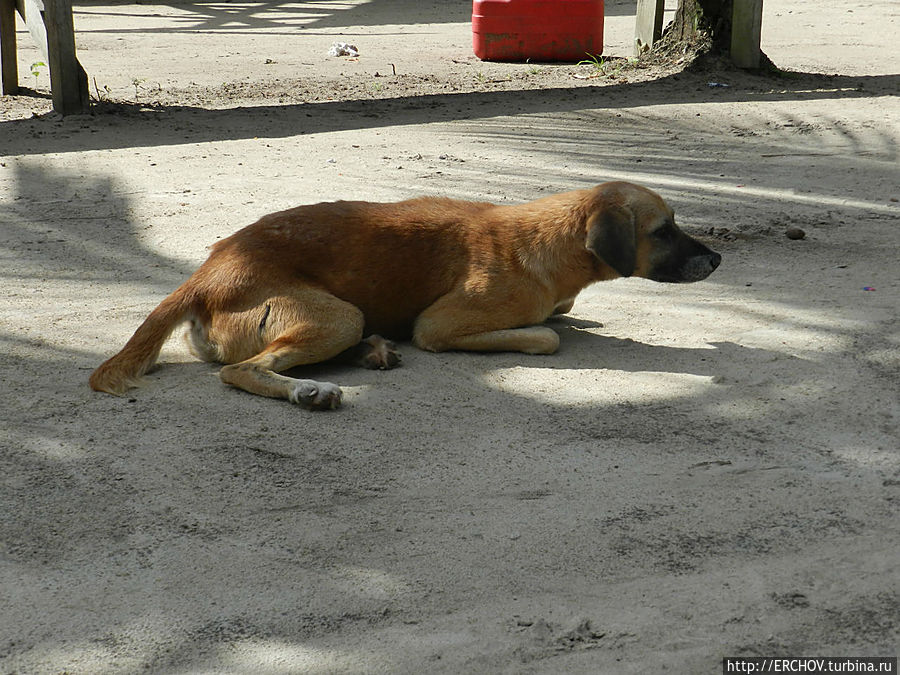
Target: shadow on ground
[(150, 125)]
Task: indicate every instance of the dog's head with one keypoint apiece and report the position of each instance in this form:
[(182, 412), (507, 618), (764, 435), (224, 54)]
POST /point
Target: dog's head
[(633, 231)]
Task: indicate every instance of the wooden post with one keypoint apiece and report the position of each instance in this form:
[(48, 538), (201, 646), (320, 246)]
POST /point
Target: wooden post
[(68, 81), (51, 27), (648, 26), (746, 30), (9, 69)]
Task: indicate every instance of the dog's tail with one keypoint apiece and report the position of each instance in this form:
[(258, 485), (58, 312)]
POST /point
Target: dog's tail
[(124, 370)]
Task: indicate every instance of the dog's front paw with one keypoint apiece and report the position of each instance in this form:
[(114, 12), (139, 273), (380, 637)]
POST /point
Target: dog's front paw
[(316, 395), (380, 354)]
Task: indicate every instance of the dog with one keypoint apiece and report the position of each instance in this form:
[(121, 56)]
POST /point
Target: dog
[(305, 285)]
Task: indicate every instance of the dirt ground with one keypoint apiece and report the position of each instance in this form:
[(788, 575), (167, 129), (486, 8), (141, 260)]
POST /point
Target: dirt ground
[(700, 471)]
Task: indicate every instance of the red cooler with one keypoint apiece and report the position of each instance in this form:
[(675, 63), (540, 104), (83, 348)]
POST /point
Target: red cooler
[(537, 30)]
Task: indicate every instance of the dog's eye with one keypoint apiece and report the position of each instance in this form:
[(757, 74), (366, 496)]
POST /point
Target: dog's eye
[(663, 232)]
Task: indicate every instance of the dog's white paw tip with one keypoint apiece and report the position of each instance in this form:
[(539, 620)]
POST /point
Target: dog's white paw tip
[(316, 395)]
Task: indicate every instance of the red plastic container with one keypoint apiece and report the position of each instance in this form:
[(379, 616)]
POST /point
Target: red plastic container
[(537, 30)]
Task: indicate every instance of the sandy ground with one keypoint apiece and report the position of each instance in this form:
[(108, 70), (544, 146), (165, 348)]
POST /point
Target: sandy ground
[(702, 470)]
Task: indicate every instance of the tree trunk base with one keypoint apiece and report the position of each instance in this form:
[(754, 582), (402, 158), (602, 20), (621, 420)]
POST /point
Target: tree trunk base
[(700, 36)]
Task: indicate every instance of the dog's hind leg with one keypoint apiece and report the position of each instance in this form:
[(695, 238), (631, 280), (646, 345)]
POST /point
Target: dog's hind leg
[(306, 327)]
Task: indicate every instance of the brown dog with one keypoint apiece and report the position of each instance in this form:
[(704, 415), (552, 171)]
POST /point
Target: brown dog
[(304, 285)]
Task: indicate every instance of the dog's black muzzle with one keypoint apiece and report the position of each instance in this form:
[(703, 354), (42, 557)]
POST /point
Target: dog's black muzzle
[(689, 261)]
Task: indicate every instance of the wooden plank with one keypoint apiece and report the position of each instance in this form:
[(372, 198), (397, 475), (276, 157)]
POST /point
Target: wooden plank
[(9, 68), (648, 25), (68, 81), (746, 32)]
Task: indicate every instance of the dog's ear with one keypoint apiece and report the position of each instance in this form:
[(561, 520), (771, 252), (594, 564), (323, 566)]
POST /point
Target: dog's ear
[(610, 237)]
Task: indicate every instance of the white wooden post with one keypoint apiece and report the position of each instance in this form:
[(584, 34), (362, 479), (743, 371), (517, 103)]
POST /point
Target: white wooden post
[(648, 25)]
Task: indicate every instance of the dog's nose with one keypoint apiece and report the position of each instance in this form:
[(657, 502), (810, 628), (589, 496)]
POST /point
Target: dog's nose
[(715, 259)]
